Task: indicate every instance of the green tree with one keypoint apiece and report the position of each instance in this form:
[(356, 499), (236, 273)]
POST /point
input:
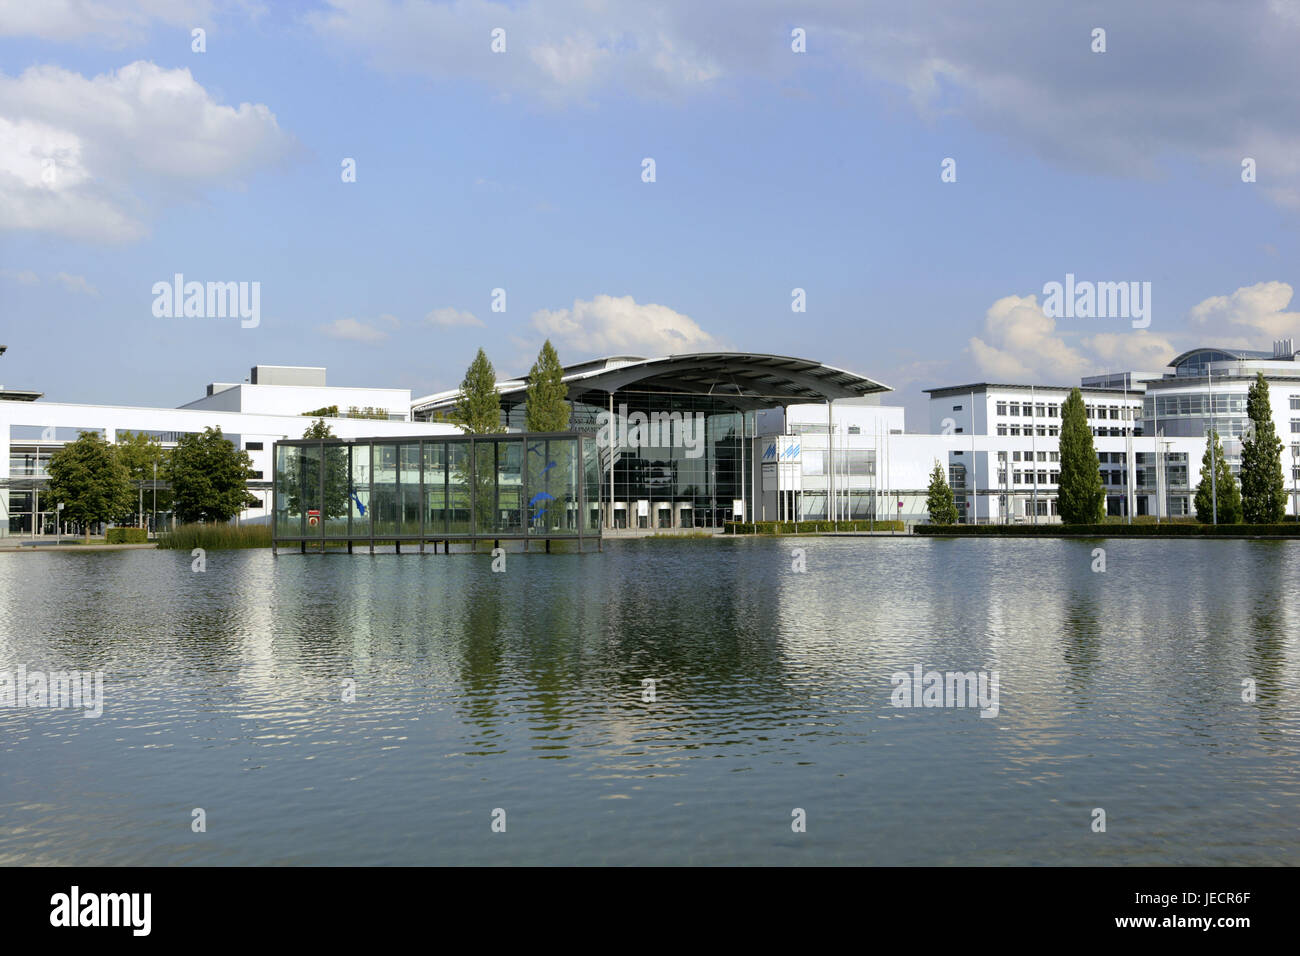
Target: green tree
[(90, 481), (330, 411), (1082, 497), (144, 458), (548, 407), (1263, 489), (1223, 491), (209, 477), (479, 403), (942, 505)]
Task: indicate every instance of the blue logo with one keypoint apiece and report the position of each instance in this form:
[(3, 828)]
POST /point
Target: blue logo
[(540, 498)]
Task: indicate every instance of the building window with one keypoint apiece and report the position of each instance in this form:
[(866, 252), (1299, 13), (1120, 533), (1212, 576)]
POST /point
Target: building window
[(256, 474), (1295, 403), (1295, 426), (1002, 430), (1015, 430), (1040, 410), (855, 430), (956, 408), (254, 446), (1002, 407), (1015, 408)]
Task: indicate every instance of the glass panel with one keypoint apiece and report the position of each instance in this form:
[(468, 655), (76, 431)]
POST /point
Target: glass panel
[(359, 491), (408, 489), (336, 490), (458, 490), (383, 493), (553, 486), (591, 477), (508, 510), (435, 488), (309, 488), (288, 509)]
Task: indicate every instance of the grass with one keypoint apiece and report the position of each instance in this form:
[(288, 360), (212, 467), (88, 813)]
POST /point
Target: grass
[(216, 537)]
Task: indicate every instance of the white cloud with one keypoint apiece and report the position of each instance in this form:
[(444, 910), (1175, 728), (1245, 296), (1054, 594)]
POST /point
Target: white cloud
[(1024, 345), (350, 330), (557, 49), (23, 277), (607, 325), (1258, 310), (115, 21), (448, 317), (77, 284), (92, 158)]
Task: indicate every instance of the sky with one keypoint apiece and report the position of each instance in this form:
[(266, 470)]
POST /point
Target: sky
[(406, 181)]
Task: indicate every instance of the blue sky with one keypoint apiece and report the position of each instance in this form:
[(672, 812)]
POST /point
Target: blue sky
[(126, 157)]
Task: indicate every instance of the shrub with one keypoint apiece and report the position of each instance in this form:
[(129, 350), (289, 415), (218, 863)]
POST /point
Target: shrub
[(809, 527), (126, 536), (216, 537), (1168, 529)]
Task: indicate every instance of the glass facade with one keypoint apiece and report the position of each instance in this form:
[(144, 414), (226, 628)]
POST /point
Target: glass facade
[(677, 458), (489, 486)]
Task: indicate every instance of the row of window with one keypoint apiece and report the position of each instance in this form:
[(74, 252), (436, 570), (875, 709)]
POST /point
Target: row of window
[(1052, 410)]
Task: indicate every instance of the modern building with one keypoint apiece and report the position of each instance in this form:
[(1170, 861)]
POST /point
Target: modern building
[(253, 415), (677, 435), (699, 439)]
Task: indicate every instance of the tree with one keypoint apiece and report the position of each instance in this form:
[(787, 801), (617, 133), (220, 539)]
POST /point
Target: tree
[(91, 482), (209, 477), (1082, 497), (330, 411), (479, 404), (548, 408), (940, 502), (1263, 489), (1223, 491), (144, 458)]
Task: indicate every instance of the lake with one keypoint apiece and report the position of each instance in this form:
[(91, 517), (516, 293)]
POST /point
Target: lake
[(518, 701)]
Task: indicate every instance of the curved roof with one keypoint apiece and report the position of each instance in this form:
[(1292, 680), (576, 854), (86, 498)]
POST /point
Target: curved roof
[(1230, 353), (743, 379)]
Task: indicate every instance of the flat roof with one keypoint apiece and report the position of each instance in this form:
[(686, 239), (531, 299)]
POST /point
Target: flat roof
[(985, 386)]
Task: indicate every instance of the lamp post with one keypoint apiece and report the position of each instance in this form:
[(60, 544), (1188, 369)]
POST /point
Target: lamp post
[(154, 521)]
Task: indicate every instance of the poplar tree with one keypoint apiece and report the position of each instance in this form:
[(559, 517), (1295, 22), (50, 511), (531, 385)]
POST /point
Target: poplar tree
[(479, 404), (1082, 497), (1263, 489), (548, 408), (940, 502), (1223, 491)]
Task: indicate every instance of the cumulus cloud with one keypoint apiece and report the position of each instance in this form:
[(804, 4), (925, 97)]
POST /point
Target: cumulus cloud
[(1250, 314), (1022, 343), (448, 317), (350, 330), (1025, 72), (91, 158), (607, 324)]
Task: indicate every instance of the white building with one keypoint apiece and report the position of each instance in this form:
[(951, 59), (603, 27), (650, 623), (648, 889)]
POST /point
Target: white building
[(252, 415)]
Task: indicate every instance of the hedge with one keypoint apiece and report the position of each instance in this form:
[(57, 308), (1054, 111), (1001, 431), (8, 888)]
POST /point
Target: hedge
[(1166, 530), (809, 527), (126, 536)]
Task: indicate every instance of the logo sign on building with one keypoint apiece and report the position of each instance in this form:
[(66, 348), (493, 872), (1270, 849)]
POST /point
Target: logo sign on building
[(784, 448)]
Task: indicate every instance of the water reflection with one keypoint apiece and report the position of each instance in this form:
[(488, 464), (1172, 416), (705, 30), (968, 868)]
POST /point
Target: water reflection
[(476, 689)]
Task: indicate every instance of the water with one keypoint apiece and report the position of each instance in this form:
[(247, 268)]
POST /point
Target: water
[(523, 691)]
